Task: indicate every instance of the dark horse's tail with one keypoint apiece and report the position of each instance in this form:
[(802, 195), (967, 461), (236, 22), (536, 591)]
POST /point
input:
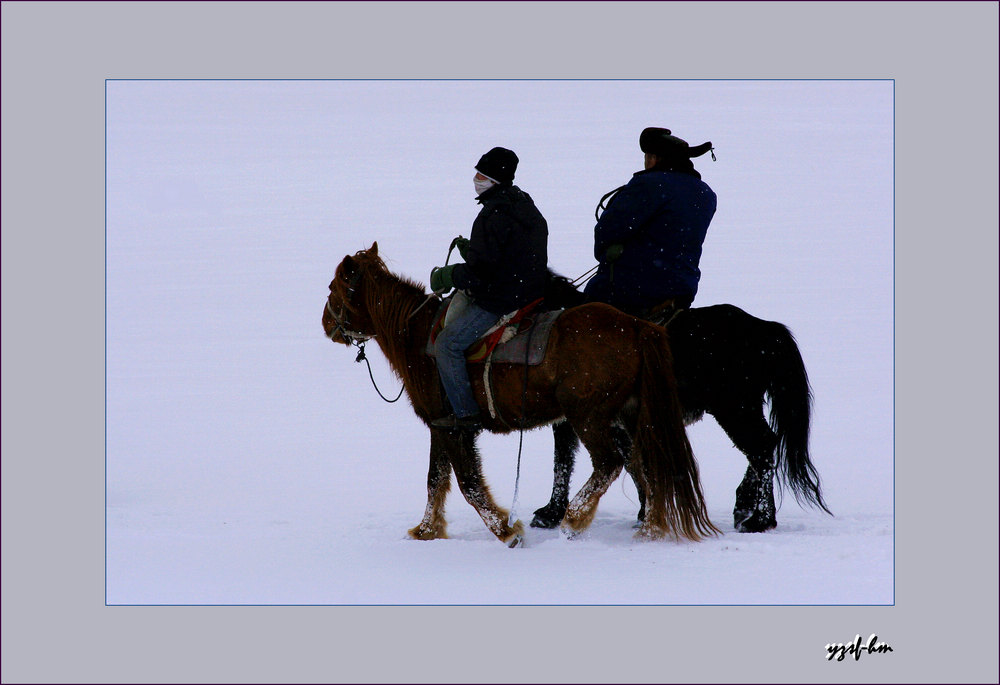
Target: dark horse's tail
[(667, 461), (791, 402)]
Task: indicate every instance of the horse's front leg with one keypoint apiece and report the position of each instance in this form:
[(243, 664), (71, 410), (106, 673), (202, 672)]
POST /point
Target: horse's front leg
[(433, 525), (469, 474), (566, 444)]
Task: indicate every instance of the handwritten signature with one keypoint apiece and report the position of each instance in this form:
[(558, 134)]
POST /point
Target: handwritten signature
[(855, 648)]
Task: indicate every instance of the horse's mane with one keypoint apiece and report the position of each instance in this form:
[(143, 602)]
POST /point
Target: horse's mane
[(394, 295)]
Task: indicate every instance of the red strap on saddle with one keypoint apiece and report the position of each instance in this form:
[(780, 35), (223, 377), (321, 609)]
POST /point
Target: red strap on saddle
[(490, 341), (485, 345)]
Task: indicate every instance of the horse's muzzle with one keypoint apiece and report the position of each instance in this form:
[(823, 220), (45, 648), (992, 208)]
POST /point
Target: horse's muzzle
[(335, 327)]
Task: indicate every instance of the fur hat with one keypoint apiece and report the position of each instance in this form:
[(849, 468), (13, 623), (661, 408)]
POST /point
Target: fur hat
[(660, 142), (499, 164)]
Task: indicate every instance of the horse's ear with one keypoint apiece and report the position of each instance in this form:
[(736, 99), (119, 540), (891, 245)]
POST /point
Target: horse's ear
[(373, 250), (347, 267)]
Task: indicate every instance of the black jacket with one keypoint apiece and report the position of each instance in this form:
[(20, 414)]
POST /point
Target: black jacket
[(505, 266)]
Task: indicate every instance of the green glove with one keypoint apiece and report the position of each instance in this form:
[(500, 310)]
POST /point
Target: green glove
[(463, 246), (441, 278), (614, 252)]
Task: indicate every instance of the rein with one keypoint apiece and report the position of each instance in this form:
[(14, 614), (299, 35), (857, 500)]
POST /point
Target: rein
[(355, 338), (359, 339), (362, 358), (585, 276), (361, 354), (601, 206)]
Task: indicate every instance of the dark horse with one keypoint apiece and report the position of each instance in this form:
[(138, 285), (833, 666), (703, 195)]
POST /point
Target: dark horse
[(726, 363), (602, 368)]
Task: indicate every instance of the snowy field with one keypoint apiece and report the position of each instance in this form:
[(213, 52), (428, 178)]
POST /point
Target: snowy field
[(249, 460)]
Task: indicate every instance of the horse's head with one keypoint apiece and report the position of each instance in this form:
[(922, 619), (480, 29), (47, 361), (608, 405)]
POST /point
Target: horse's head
[(345, 317)]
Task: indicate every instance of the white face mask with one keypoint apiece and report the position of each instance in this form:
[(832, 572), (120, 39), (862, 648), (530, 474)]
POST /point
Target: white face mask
[(482, 184)]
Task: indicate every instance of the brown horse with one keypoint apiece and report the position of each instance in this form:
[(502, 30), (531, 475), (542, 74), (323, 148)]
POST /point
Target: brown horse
[(602, 368)]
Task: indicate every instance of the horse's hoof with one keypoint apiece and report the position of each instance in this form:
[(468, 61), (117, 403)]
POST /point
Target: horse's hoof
[(648, 533), (516, 537), (755, 525), (547, 517), (423, 533), (569, 533)]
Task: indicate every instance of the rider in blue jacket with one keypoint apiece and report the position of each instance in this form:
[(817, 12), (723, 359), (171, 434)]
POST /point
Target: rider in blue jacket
[(648, 241)]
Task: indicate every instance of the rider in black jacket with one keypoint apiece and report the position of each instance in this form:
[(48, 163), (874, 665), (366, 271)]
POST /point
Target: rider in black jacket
[(505, 269), (505, 261)]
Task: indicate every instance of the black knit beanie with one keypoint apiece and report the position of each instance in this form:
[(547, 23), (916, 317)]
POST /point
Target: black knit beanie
[(499, 164)]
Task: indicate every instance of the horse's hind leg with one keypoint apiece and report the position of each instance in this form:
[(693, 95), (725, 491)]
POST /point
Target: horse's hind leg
[(623, 443), (433, 525), (469, 474), (608, 464), (755, 509), (566, 442)]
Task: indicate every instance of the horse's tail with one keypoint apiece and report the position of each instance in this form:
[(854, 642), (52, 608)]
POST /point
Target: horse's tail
[(661, 442), (791, 406)]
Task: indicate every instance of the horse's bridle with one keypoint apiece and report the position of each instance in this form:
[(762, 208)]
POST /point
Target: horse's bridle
[(340, 318), (356, 338)]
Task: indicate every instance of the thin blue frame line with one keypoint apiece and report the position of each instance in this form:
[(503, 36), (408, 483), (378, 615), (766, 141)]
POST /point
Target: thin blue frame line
[(105, 342), (506, 79), (803, 606), (894, 518)]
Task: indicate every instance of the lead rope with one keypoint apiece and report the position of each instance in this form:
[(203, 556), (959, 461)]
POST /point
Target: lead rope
[(362, 358), (520, 440), (517, 481), (361, 345), (524, 396)]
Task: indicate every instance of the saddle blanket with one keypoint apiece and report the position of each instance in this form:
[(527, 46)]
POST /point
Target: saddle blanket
[(509, 342)]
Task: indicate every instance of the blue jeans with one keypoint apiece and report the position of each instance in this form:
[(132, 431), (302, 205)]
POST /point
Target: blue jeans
[(450, 347)]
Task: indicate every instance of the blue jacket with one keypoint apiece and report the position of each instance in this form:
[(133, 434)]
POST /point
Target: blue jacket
[(660, 218)]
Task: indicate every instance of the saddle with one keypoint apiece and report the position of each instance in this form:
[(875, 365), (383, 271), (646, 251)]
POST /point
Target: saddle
[(519, 337)]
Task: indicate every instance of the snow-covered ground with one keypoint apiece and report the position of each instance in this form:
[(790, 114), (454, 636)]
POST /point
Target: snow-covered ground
[(249, 460)]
